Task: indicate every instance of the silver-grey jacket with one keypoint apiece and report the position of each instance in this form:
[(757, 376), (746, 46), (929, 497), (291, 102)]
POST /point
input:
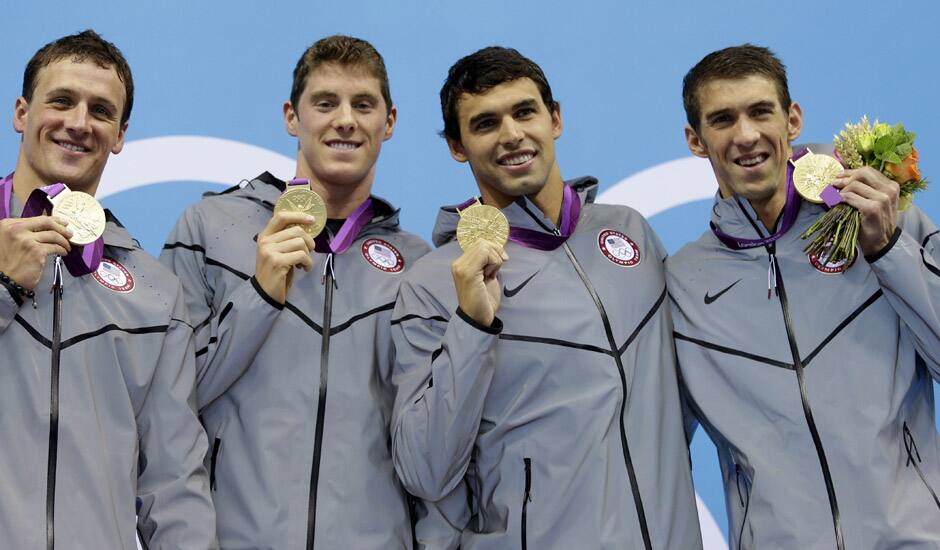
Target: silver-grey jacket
[(819, 399), (127, 439), (560, 426), (297, 398)]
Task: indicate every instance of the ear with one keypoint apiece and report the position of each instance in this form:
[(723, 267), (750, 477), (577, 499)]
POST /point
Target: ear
[(290, 118), (20, 112), (119, 144), (696, 144), (794, 121), (556, 121), (456, 150), (390, 122)]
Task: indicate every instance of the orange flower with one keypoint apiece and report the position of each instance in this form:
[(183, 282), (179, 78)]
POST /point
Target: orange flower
[(907, 170)]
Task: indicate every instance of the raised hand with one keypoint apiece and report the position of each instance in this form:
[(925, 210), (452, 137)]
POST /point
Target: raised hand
[(26, 242), (282, 245), (478, 291)]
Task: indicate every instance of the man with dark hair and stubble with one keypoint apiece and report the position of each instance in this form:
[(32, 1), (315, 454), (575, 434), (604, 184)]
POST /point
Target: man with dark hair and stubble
[(537, 401), (295, 364), (98, 429), (812, 378)]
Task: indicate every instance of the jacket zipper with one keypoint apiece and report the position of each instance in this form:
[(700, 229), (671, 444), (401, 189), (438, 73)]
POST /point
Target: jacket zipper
[(634, 487), (53, 450), (328, 281), (804, 397), (913, 458), (745, 502), (526, 497), (216, 445)]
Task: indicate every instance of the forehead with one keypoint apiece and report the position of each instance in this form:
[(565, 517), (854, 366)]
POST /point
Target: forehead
[(338, 78), (736, 93), (498, 98), (85, 78)]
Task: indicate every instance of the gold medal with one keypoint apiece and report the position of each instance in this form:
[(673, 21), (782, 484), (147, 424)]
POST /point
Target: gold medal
[(481, 221), (813, 173), (300, 198), (84, 214)]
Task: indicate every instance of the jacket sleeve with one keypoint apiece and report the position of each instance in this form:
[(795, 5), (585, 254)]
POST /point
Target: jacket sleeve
[(9, 306), (174, 506), (443, 369), (438, 525), (230, 328), (908, 270)]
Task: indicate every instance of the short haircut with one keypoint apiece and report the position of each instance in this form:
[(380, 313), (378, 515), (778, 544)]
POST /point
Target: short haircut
[(78, 48), (732, 63), (343, 50), (481, 71)]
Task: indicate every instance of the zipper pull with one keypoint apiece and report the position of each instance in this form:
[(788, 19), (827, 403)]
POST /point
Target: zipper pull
[(328, 266), (771, 274), (56, 277)]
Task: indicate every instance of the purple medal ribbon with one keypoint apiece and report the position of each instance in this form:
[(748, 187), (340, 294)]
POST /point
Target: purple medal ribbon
[(790, 210), (530, 238), (81, 260), (347, 233)]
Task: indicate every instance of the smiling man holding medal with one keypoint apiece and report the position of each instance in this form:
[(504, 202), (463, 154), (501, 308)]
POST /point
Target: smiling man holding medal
[(97, 382), (812, 377), (537, 400), (295, 364)]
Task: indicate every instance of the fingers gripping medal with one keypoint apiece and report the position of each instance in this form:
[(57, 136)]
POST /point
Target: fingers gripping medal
[(812, 174), (300, 198), (481, 221), (84, 214)]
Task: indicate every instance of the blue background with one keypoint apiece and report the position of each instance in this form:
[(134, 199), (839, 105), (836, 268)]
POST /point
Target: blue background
[(224, 69)]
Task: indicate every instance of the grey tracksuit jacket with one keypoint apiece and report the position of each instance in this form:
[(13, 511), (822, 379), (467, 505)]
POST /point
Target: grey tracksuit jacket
[(296, 399), (859, 441), (128, 439), (560, 426)]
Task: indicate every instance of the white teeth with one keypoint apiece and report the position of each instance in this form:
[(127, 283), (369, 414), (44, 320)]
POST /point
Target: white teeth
[(343, 146), (752, 161), (70, 147), (517, 159)]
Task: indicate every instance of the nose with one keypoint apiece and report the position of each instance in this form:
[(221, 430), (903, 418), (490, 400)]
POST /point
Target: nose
[(747, 133), (345, 119), (510, 132), (78, 119)]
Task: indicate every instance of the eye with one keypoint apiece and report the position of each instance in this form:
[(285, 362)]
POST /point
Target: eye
[(761, 112), (60, 100), (720, 120), (525, 112), (363, 106), (484, 125), (102, 111), (323, 105)]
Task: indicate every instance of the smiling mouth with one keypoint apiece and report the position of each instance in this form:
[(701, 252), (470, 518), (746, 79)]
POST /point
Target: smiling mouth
[(343, 145), (71, 147), (516, 159), (751, 161)]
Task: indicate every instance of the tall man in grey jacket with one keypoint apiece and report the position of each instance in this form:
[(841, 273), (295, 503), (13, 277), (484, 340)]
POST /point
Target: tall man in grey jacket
[(295, 365), (537, 400), (812, 378), (97, 378)]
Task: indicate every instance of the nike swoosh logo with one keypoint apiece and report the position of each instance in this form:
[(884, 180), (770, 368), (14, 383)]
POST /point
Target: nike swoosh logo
[(710, 299), (510, 293)]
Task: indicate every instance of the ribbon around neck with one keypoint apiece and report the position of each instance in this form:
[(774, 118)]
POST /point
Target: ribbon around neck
[(81, 259), (790, 210)]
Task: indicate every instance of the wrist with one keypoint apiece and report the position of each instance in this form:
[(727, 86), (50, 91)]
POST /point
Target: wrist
[(16, 290)]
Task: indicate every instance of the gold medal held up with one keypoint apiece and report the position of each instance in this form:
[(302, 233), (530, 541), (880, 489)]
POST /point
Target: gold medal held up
[(300, 198), (84, 214), (813, 173), (480, 221)]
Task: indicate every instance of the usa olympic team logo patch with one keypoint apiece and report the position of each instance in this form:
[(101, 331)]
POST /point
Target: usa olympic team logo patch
[(382, 255), (823, 265), (111, 274), (618, 248)]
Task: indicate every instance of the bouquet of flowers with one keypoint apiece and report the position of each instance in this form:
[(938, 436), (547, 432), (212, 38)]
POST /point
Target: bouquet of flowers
[(888, 149)]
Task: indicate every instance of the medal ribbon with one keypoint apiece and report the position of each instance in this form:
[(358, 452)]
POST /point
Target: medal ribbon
[(790, 209), (81, 260), (347, 233), (539, 240)]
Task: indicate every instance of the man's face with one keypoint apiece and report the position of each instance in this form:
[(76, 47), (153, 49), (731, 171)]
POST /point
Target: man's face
[(341, 121), (71, 125), (745, 133), (507, 134)]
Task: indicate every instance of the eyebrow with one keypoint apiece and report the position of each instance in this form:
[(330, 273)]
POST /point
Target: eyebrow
[(315, 96), (727, 111), (486, 114)]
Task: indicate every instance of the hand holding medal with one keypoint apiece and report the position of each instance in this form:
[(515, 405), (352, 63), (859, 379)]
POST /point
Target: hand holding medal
[(887, 149), (288, 239), (482, 233), (480, 221), (298, 197)]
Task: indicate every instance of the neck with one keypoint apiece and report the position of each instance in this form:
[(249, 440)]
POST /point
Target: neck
[(548, 199), (769, 210), (342, 199)]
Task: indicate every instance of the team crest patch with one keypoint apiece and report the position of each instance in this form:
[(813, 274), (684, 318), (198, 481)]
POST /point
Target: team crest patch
[(823, 265), (618, 248), (113, 275), (382, 255)]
